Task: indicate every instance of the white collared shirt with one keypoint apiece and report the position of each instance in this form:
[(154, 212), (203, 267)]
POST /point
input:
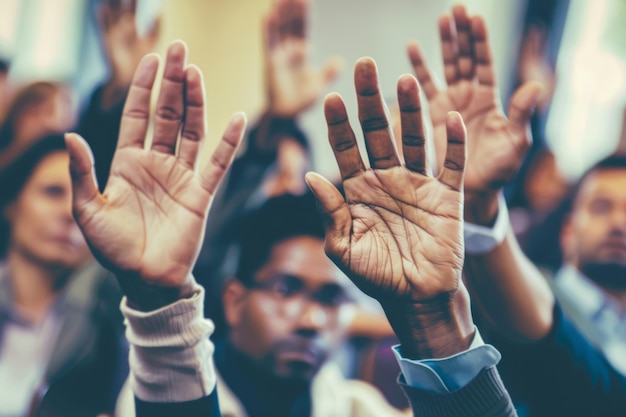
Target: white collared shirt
[(598, 310)]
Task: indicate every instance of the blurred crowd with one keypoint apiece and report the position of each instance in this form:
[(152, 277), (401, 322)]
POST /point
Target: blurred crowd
[(293, 332)]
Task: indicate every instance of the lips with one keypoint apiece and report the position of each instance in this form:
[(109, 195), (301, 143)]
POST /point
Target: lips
[(65, 240), (305, 357), (615, 244), (297, 351)]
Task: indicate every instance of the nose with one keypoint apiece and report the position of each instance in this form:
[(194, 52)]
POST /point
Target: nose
[(619, 220), (65, 209), (67, 206), (312, 319)]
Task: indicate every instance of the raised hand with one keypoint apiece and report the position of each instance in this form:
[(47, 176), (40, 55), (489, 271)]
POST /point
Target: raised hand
[(123, 46), (148, 225), (292, 84), (496, 144), (398, 232)]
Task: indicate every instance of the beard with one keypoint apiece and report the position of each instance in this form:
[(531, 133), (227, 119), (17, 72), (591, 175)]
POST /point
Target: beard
[(608, 275)]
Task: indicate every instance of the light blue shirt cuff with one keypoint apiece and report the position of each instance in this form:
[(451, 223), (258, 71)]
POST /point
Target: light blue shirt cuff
[(451, 373)]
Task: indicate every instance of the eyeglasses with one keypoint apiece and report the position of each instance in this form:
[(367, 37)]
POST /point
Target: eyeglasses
[(291, 288)]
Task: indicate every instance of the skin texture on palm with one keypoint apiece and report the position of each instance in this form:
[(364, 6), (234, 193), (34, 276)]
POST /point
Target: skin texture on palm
[(398, 233), (148, 224), (496, 144), (292, 84)]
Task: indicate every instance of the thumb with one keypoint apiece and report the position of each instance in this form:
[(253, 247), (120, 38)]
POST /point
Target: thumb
[(522, 105), (332, 68), (334, 211), (85, 193)]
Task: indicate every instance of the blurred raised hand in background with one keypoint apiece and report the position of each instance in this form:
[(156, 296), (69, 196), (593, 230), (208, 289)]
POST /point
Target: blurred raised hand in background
[(291, 81), (497, 144), (124, 46)]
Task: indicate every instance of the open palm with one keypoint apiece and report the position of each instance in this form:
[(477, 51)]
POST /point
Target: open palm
[(292, 83), (398, 232), (496, 144), (149, 222)]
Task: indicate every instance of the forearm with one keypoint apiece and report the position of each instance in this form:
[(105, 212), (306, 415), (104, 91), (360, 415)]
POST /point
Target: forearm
[(510, 290)]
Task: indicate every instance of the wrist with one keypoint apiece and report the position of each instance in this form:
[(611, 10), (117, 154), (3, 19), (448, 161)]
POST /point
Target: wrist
[(481, 208), (143, 296), (273, 112), (435, 328)]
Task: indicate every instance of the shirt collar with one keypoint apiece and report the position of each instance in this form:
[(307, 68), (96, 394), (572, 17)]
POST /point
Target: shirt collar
[(581, 290)]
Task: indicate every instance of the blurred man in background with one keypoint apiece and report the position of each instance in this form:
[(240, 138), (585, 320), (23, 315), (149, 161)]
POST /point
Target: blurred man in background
[(591, 285), (288, 310)]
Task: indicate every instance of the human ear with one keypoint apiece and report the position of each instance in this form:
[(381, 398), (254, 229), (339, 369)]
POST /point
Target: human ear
[(233, 295)]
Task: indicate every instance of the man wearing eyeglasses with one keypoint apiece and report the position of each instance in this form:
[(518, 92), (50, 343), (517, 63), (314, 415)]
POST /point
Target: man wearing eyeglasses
[(287, 311)]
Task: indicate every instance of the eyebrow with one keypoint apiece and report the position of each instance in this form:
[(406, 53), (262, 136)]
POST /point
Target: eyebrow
[(285, 275)]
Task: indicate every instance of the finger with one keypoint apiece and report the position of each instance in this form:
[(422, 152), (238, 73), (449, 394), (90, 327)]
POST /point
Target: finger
[(115, 8), (454, 165), (342, 138), (376, 130), (271, 33), (413, 140), (299, 13), (421, 70), (283, 13), (449, 49), (485, 71), (85, 195), (132, 6), (194, 127), (169, 109), (334, 212), (522, 105), (136, 114), (465, 59), (535, 40), (224, 153)]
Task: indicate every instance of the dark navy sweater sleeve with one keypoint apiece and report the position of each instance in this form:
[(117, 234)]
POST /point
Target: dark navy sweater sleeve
[(204, 407), (563, 375)]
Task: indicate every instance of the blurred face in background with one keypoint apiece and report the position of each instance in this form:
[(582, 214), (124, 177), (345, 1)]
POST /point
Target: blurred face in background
[(42, 227), (594, 237), (294, 313)]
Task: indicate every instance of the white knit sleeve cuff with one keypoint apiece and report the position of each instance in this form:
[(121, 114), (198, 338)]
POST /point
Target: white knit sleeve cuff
[(480, 240), (171, 356)]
